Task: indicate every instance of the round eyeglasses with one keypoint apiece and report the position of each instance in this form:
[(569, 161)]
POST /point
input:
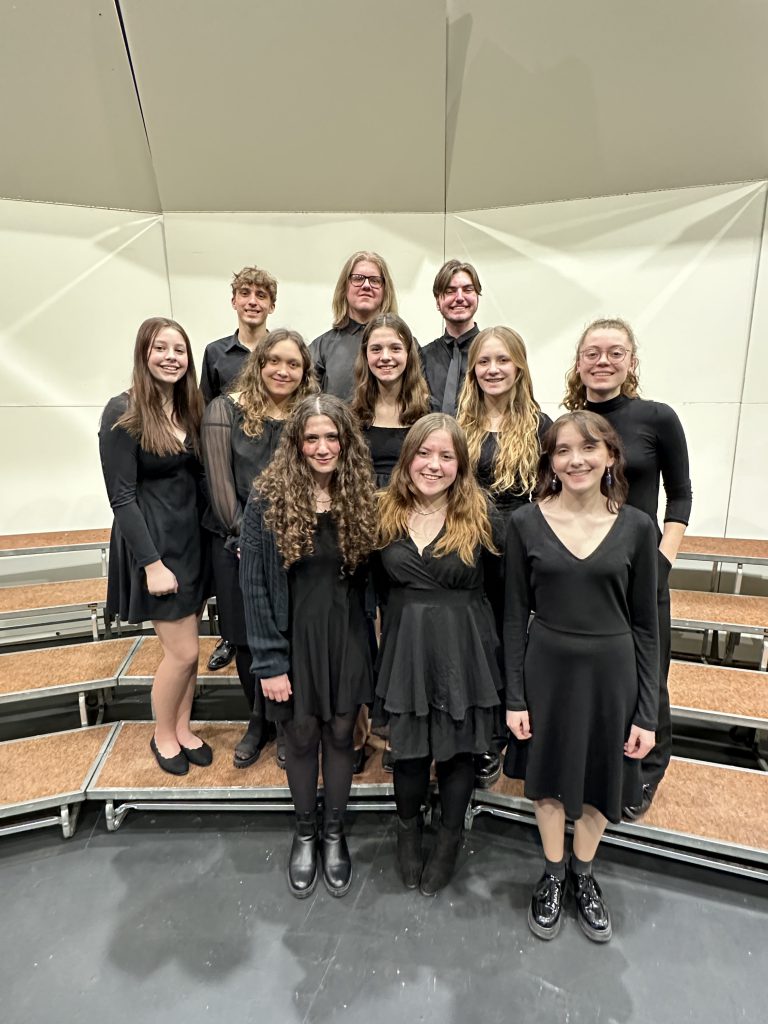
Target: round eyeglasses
[(614, 355)]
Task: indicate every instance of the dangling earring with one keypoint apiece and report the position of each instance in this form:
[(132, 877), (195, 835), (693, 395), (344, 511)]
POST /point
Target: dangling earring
[(553, 485), (608, 476)]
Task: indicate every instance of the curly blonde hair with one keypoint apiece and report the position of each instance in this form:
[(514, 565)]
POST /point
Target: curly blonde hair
[(288, 487), (467, 524), (518, 451), (575, 390), (253, 396), (413, 400)]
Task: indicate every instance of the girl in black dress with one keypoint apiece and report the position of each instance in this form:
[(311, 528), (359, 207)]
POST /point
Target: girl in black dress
[(304, 540), (149, 442), (604, 379), (437, 672), (240, 433), (582, 681), (503, 424)]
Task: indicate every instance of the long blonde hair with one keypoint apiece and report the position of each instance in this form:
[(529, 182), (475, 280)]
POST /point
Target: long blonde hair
[(340, 303), (575, 390), (253, 397), (467, 524), (517, 458)]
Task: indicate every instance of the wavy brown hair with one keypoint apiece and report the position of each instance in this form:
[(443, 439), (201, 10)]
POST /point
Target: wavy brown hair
[(575, 389), (466, 516), (413, 400), (144, 418), (518, 450), (288, 487), (592, 428), (341, 305), (253, 395)]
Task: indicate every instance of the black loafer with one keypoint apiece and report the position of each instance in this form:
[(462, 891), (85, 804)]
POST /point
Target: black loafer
[(201, 756), (176, 765), (591, 911), (223, 653), (633, 812), (487, 769), (545, 909)]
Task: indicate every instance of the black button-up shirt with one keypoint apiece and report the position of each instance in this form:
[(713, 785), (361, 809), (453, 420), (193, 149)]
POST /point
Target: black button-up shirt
[(334, 354), (222, 362), (436, 359)]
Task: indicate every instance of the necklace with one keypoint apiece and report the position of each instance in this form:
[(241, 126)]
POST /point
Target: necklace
[(431, 511), (321, 499)]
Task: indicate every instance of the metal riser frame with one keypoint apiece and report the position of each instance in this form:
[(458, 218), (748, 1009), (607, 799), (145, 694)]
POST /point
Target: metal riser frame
[(67, 818)]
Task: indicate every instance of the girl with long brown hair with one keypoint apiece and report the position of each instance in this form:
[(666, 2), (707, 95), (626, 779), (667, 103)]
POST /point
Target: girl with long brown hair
[(240, 434), (149, 442), (304, 540), (582, 676), (437, 674)]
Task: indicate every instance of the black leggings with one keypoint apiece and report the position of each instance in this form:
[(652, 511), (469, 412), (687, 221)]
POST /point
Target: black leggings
[(333, 739), (251, 689), (455, 782)]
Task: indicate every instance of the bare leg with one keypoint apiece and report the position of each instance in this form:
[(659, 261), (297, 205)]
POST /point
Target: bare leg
[(174, 682), (550, 817), (362, 728), (587, 833)]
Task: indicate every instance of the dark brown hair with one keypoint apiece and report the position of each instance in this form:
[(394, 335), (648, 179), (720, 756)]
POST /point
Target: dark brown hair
[(446, 272), (255, 277), (592, 428), (413, 400)]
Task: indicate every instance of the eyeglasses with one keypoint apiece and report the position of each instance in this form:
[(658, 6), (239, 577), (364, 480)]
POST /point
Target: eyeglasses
[(613, 355), (358, 280)]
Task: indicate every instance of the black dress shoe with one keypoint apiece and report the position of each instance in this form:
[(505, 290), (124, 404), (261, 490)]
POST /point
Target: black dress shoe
[(545, 910), (632, 812), (388, 760), (302, 860), (201, 756), (358, 761), (591, 911), (487, 769), (337, 864), (223, 653), (176, 765)]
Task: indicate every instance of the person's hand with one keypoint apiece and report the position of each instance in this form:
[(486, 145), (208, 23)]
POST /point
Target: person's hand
[(160, 580), (640, 742), (519, 724), (277, 687)]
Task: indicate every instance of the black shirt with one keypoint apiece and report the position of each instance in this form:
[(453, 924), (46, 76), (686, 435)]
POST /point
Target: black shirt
[(436, 359), (222, 361), (654, 447), (334, 354)]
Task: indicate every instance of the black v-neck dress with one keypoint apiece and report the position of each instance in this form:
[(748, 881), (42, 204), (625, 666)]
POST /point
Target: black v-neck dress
[(438, 677), (587, 669)]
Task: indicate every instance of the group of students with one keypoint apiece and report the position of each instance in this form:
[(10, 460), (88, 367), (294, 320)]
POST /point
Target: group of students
[(402, 529)]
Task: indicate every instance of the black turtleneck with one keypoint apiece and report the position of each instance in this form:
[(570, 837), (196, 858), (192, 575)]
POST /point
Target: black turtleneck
[(654, 447)]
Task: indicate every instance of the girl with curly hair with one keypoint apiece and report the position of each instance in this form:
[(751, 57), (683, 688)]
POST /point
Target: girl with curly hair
[(438, 673), (240, 434), (305, 537), (149, 442)]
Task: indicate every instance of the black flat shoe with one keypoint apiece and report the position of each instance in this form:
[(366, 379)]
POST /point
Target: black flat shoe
[(358, 761), (591, 911), (487, 769), (201, 756), (176, 765), (545, 909), (633, 812), (223, 653)]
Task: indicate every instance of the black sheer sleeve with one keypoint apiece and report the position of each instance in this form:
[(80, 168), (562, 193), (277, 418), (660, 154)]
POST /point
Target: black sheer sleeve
[(216, 435), (644, 620), (517, 611), (119, 454), (672, 452)]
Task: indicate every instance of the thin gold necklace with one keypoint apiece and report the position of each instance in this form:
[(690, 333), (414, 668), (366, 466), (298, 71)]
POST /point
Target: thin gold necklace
[(431, 511)]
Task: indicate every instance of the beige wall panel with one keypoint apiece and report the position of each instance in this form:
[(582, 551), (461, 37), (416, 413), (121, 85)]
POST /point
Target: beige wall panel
[(305, 252), (76, 284), (70, 122), (679, 265), (290, 105), (51, 471), (554, 100), (748, 512), (710, 430), (756, 372)]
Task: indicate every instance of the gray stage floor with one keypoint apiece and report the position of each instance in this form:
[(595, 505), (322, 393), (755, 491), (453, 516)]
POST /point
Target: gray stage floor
[(186, 917)]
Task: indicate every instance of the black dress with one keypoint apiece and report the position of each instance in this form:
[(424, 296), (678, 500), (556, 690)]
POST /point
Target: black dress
[(157, 504), (331, 672), (438, 667), (385, 444), (588, 667)]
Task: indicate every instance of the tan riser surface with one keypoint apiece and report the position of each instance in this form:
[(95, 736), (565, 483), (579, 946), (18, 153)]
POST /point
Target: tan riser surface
[(39, 596), (737, 609), (44, 766), (729, 691), (59, 539), (130, 763), (702, 800), (730, 546), (147, 658), (61, 666)]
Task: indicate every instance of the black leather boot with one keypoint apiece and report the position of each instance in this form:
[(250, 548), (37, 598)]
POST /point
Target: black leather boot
[(409, 853), (441, 863), (337, 864), (302, 860)]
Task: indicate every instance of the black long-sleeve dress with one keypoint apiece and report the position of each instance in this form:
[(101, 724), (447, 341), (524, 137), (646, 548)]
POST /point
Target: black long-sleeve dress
[(157, 502), (587, 669)]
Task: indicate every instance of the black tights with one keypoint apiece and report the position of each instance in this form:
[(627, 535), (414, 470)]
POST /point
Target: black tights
[(455, 782), (252, 691), (333, 739)]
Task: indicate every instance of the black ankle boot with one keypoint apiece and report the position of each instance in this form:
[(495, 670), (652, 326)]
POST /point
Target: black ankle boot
[(337, 864), (441, 864), (302, 860), (409, 854)]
